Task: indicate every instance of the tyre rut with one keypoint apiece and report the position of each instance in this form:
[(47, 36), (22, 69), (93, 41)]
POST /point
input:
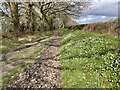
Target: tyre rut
[(44, 73)]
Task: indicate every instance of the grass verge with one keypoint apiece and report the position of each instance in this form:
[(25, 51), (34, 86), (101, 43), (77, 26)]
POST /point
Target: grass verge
[(89, 60)]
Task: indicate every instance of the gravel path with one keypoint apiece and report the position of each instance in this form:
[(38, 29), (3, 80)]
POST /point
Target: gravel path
[(44, 73)]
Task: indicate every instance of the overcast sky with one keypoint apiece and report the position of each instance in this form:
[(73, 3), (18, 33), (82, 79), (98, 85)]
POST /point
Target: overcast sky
[(100, 10)]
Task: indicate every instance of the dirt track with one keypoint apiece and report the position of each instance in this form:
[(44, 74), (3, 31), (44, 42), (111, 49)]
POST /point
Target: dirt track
[(44, 73)]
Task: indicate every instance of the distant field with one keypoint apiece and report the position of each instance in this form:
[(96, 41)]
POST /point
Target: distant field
[(110, 27), (89, 60)]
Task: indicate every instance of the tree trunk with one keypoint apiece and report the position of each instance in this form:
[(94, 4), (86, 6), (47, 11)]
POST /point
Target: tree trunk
[(49, 21), (28, 18), (14, 17), (33, 28)]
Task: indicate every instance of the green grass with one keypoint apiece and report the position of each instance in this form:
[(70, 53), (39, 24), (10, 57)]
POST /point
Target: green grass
[(9, 44), (7, 77), (89, 60)]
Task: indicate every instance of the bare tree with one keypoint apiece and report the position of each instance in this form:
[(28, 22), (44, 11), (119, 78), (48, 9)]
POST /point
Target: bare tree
[(41, 14), (50, 10)]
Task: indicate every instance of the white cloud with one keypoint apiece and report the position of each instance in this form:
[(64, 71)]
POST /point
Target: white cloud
[(100, 11), (104, 7), (83, 20), (106, 0), (103, 17), (94, 19)]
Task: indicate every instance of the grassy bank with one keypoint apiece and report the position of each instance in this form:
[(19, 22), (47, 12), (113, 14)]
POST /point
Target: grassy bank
[(89, 60)]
